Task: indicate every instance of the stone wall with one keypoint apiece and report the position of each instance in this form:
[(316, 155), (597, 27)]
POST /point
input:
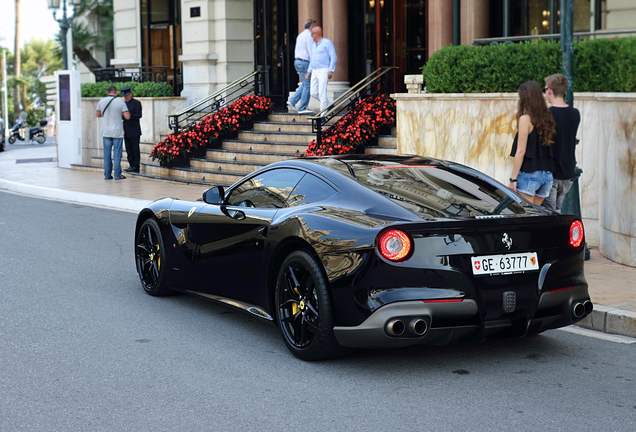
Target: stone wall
[(154, 122), (477, 130)]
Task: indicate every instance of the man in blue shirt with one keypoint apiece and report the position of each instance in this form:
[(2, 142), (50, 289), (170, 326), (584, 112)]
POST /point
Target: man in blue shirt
[(322, 65)]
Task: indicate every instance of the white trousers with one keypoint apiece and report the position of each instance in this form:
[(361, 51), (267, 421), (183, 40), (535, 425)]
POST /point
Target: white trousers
[(319, 81)]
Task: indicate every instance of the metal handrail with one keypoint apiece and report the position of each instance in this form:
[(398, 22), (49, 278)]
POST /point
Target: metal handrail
[(551, 36), (250, 83), (348, 99)]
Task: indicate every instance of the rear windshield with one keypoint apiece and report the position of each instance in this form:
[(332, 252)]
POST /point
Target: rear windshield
[(438, 190)]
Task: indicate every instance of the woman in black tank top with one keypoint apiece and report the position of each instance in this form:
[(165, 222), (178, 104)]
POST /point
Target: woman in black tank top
[(533, 160)]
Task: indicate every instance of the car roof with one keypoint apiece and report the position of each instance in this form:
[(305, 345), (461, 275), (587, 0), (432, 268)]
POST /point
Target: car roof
[(327, 166)]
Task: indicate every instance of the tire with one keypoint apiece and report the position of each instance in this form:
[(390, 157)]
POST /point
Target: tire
[(11, 139), (40, 139), (303, 308), (151, 259)]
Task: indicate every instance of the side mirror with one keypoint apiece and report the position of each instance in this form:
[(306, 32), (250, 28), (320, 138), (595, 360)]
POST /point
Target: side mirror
[(214, 195)]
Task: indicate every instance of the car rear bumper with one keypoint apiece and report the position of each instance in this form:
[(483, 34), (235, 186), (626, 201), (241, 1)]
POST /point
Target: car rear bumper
[(448, 322)]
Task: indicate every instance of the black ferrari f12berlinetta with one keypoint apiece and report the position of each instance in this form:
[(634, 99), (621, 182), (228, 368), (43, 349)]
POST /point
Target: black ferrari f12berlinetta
[(369, 251)]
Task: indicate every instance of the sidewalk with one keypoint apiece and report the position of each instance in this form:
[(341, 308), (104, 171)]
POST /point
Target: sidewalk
[(29, 170), (32, 170)]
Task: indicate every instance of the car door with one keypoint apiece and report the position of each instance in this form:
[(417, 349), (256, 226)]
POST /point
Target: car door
[(228, 241)]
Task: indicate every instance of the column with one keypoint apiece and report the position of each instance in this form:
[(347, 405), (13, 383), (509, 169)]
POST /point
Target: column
[(474, 20), (217, 44), (308, 9), (126, 33), (335, 27), (440, 24)]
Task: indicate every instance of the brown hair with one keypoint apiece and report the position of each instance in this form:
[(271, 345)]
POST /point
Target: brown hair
[(558, 83), (531, 102)]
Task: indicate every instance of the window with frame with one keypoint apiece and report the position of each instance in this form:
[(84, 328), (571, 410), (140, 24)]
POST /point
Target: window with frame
[(267, 190), (310, 189)]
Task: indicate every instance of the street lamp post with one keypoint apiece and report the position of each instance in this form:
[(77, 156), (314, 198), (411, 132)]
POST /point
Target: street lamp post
[(567, 36), (65, 24), (572, 202), (3, 88)]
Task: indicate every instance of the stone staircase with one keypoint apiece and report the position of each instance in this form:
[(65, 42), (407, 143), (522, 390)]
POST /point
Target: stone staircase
[(282, 136)]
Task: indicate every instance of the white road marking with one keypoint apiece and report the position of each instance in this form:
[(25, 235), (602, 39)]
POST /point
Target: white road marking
[(598, 335)]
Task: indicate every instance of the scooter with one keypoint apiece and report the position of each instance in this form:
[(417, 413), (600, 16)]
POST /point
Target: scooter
[(35, 133)]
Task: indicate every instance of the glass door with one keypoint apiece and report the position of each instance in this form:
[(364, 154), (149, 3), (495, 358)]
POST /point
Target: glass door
[(161, 41), (395, 35), (275, 23)]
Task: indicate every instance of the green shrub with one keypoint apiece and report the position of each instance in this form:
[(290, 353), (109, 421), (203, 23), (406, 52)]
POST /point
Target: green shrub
[(604, 65), (140, 89)]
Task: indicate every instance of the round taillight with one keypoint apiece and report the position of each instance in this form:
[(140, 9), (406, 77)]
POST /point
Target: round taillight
[(577, 234), (395, 245)]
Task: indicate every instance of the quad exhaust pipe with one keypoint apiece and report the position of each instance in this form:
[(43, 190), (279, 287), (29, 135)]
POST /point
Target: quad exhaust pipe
[(395, 327), (418, 326), (578, 310), (589, 307), (398, 327)]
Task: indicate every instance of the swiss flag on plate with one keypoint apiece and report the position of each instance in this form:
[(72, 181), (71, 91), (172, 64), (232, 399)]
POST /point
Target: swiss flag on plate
[(477, 265)]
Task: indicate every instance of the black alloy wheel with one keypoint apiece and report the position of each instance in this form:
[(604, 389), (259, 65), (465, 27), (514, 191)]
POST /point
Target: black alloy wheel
[(150, 257), (303, 309)]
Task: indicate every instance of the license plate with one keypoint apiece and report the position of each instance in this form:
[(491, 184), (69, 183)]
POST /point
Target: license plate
[(502, 264)]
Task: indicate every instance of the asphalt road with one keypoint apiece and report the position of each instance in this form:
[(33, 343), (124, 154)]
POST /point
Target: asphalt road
[(83, 348)]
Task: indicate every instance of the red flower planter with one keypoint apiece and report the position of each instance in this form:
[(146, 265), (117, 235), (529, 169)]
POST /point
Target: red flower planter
[(357, 129), (211, 129)]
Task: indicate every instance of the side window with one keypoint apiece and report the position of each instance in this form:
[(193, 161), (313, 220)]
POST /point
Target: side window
[(267, 190), (310, 189)]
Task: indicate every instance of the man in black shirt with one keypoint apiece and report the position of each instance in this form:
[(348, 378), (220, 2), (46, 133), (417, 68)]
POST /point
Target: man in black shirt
[(567, 121), (132, 130)]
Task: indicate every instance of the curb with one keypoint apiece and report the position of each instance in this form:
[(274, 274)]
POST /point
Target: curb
[(131, 205), (611, 320)]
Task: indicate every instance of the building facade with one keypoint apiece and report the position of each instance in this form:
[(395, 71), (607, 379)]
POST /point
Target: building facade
[(205, 44)]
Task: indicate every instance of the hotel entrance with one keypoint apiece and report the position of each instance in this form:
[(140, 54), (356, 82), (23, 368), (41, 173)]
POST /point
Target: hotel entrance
[(275, 23), (368, 34), (394, 35)]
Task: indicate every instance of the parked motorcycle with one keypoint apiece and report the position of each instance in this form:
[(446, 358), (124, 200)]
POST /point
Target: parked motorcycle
[(1, 135), (36, 133)]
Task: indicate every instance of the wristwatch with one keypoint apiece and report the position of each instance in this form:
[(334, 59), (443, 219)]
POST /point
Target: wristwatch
[(512, 180)]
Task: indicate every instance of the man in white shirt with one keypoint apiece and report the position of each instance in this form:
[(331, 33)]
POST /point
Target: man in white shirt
[(322, 65), (112, 110), (302, 54)]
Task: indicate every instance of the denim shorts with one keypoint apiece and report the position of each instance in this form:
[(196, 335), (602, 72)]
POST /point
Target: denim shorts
[(535, 183)]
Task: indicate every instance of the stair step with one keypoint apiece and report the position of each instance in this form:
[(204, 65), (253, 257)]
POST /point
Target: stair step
[(248, 157), (295, 137), (220, 167), (377, 150), (387, 141), (286, 148), (98, 161), (281, 127), (290, 118), (190, 175)]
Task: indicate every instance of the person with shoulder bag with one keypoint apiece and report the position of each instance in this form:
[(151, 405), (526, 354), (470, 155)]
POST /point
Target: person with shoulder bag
[(112, 111)]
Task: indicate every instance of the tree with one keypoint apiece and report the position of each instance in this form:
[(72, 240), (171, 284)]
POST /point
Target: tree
[(39, 58), (92, 27)]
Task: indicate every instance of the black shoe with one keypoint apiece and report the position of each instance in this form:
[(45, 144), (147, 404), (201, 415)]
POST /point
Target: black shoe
[(108, 178), (121, 177), (131, 169)]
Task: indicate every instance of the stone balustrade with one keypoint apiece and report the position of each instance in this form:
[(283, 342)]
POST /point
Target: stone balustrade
[(477, 130)]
